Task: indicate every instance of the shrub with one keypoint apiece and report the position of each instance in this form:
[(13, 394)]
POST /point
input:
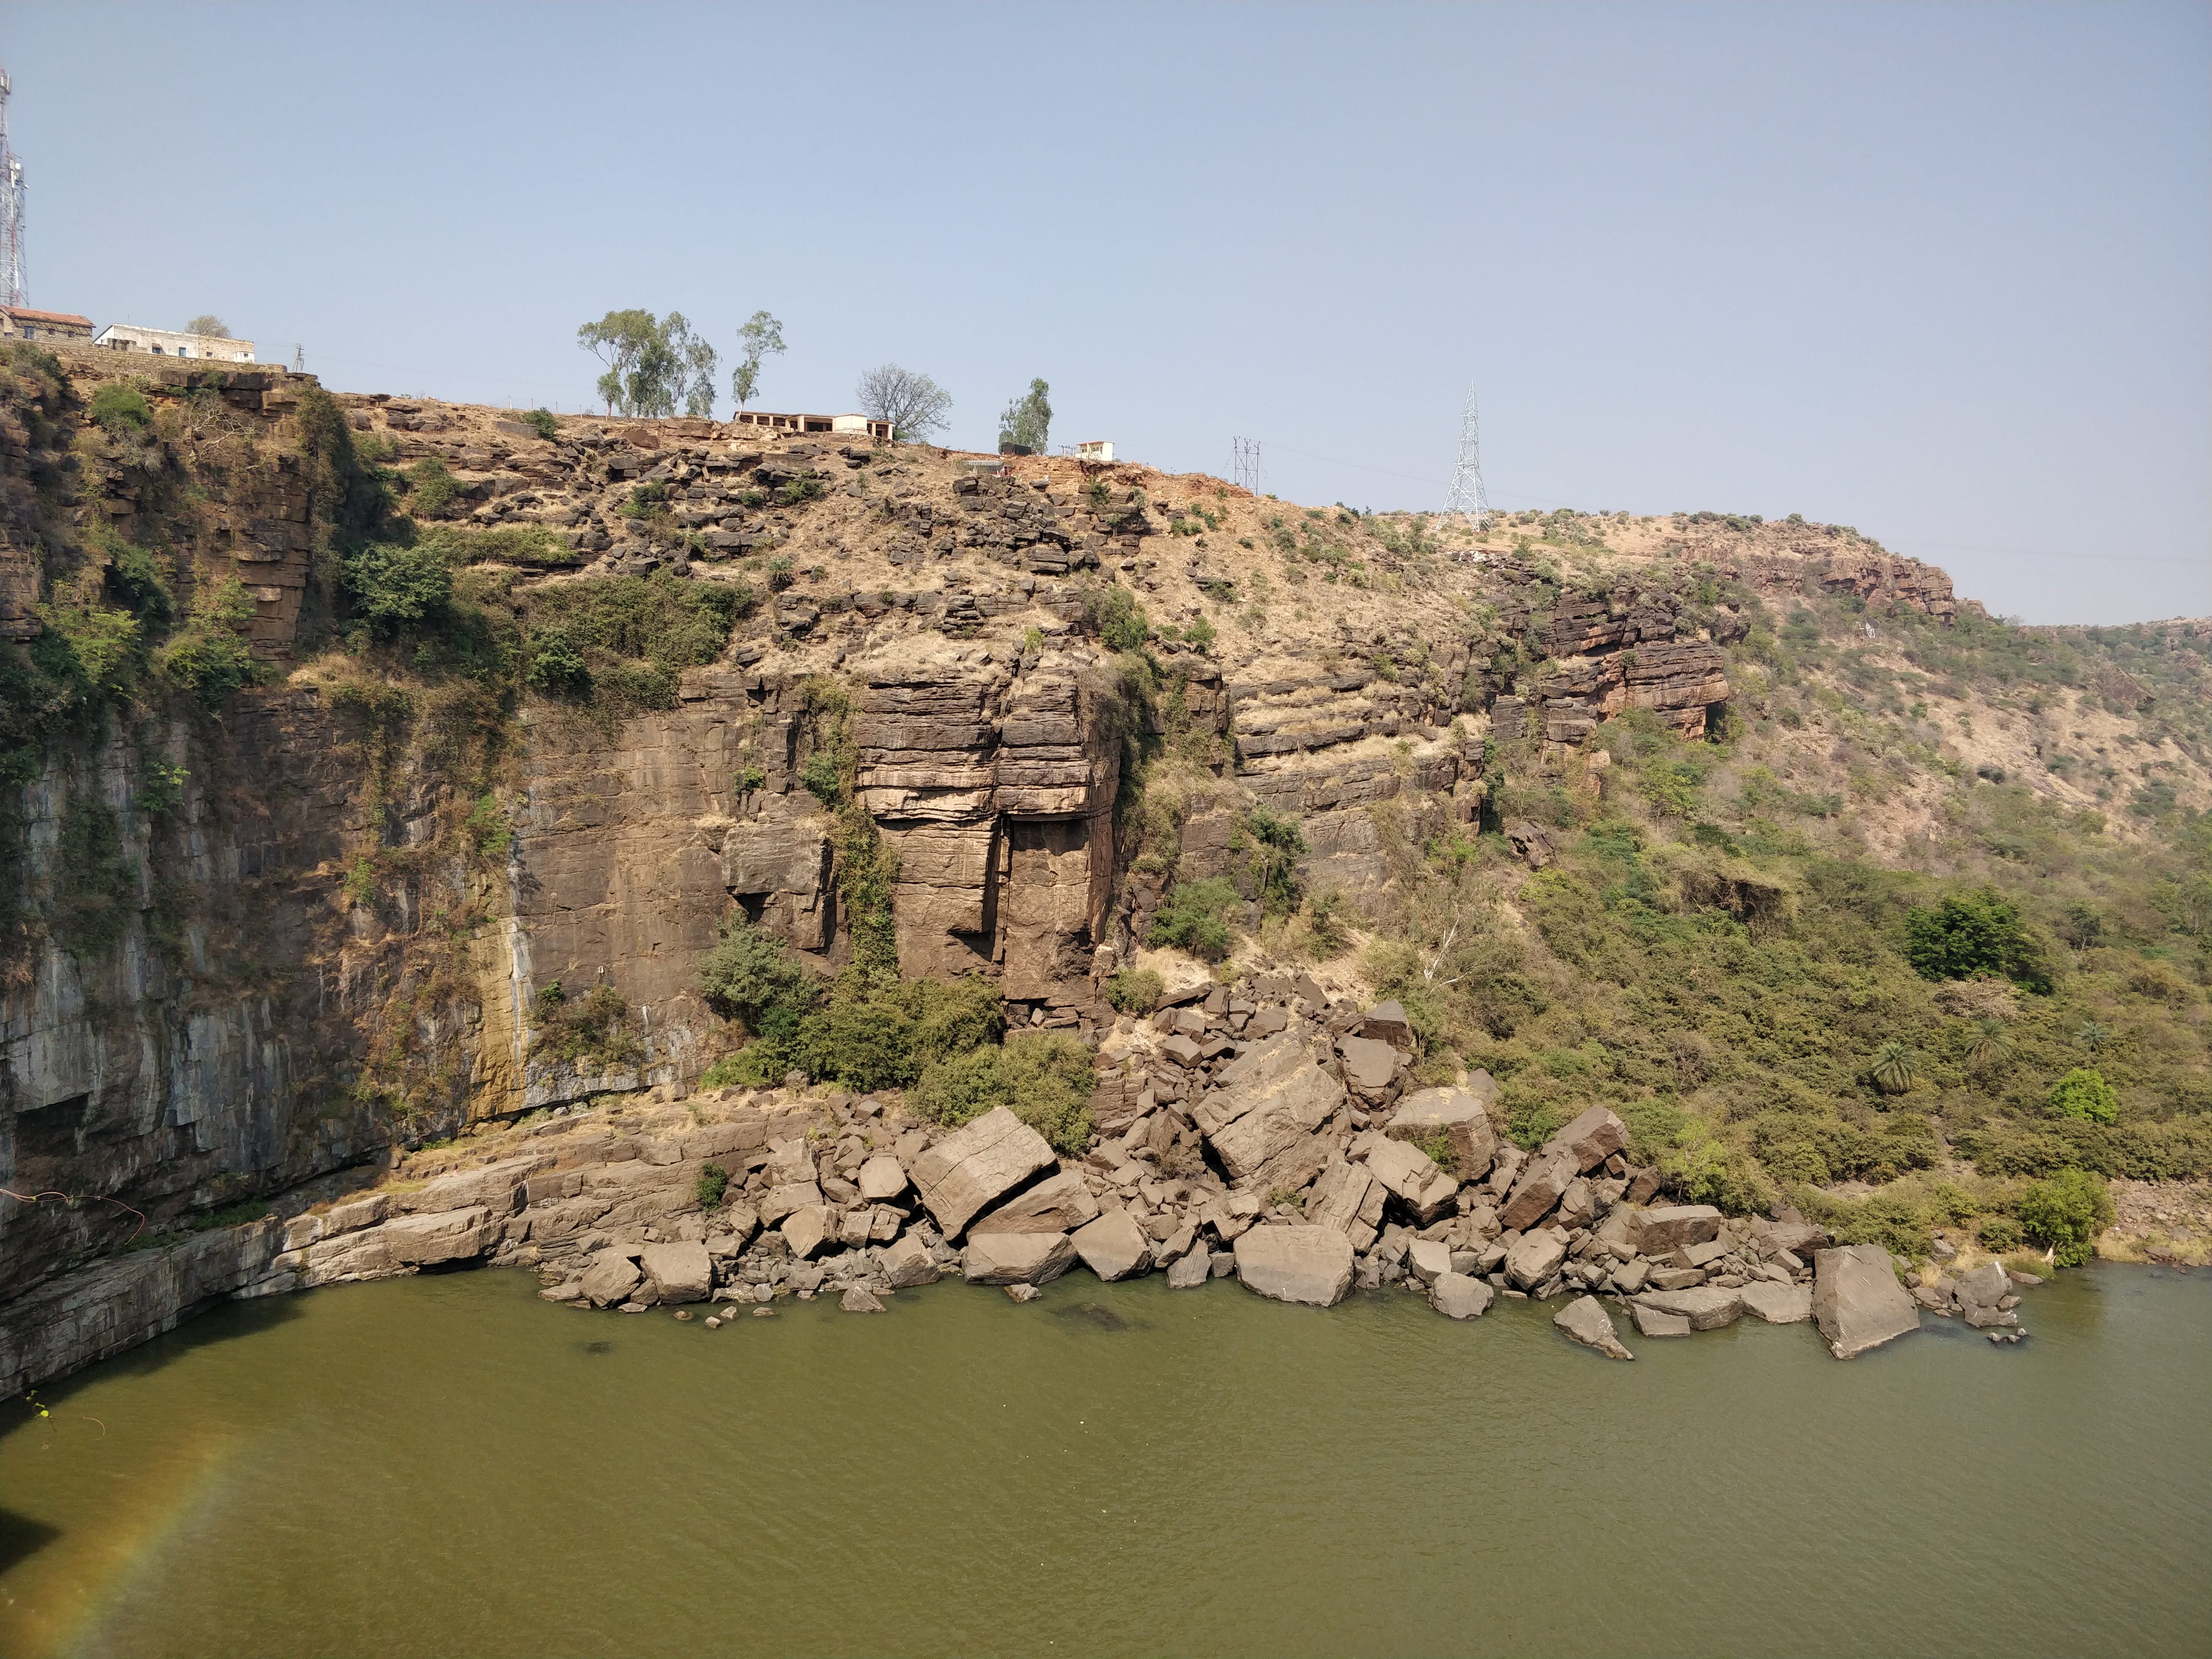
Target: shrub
[(1043, 1077), (398, 588), (714, 1180), (2067, 1212), (120, 408), (1200, 635), (2083, 1093), (751, 974), (1968, 935), (2000, 1234), (209, 656), (1277, 847), (541, 421), (1190, 919), (1119, 620), (590, 1032), (1135, 990), (623, 640), (432, 489), (534, 545), (873, 1036), (799, 490)]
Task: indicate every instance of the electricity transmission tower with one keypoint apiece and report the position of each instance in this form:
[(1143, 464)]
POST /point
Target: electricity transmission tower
[(1246, 470), (13, 286), (1467, 495)]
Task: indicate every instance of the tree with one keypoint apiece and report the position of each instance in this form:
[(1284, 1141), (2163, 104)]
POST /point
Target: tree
[(1968, 935), (761, 335), (2067, 1212), (653, 364), (2083, 1093), (1028, 420), (208, 328), (1894, 1070), (914, 403), (1992, 1050)]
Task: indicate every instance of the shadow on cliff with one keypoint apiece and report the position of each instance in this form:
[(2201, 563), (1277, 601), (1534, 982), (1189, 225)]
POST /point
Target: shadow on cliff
[(22, 1538)]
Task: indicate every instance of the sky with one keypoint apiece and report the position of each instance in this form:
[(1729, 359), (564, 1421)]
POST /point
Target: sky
[(1943, 273)]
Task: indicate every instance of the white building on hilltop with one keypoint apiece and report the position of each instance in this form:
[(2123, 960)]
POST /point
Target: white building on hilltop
[(168, 342)]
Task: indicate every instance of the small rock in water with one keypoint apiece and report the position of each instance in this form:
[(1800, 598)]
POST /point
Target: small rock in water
[(763, 1313), (683, 1313), (712, 1323), (1586, 1321), (1023, 1293), (631, 1307), (857, 1300), (729, 1313), (1654, 1322)]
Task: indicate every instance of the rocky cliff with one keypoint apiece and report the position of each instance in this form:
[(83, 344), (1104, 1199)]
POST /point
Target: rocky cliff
[(264, 929)]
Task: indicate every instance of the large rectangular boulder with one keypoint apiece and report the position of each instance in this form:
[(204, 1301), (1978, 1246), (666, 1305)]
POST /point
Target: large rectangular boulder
[(1661, 1231), (1707, 1307), (1264, 1103), (1460, 1116), (420, 1240), (1016, 1258), (1543, 1183), (1410, 1174), (1594, 1136), (1348, 1197), (1302, 1264), (682, 1271), (976, 1166), (1059, 1204), (1857, 1301), (497, 1186), (1533, 1258), (1778, 1304), (1114, 1247)]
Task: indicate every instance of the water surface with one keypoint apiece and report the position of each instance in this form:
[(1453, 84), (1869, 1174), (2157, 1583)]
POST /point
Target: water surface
[(446, 1465)]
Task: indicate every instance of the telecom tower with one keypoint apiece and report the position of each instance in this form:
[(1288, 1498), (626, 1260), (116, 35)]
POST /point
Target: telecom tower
[(13, 286), (1467, 495)]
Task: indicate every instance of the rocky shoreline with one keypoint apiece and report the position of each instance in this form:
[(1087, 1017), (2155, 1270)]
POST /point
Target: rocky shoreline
[(1260, 1132)]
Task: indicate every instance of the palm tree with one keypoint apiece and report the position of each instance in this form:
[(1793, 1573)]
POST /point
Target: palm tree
[(1894, 1070), (1991, 1049), (2092, 1036)]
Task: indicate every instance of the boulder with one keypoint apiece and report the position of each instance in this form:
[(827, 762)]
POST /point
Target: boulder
[(1428, 1260), (1857, 1301), (1460, 1116), (1628, 1278), (496, 1187), (1984, 1287), (1386, 1022), (1661, 1231), (1586, 1321), (1458, 1295), (1533, 1258), (1408, 1172), (1707, 1308), (1348, 1197), (1301, 1264), (1543, 1181), (1800, 1238), (859, 1300), (807, 1230), (1059, 1204), (1114, 1247), (1676, 1278), (609, 1280), (907, 1262), (976, 1166), (1016, 1258), (788, 1200), (1265, 1105), (1370, 1067), (882, 1179), (447, 1236), (1590, 1138), (1654, 1322), (1778, 1304), (684, 1271), (1191, 1269)]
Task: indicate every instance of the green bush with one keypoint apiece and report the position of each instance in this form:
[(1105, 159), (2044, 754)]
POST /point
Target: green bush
[(751, 974), (1119, 620), (399, 588), (590, 1031), (1135, 990), (534, 545), (2067, 1212), (432, 489), (2083, 1093), (623, 641), (120, 408), (1044, 1078), (209, 656), (1969, 935), (541, 421), (2001, 1235), (1190, 919), (714, 1180), (1277, 845), (872, 1035)]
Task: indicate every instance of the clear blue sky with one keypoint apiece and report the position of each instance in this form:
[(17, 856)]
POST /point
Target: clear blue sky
[(1942, 272)]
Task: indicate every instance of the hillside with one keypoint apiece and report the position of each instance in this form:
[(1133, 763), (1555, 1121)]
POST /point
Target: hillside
[(377, 766)]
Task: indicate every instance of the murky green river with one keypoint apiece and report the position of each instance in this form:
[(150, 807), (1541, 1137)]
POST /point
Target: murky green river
[(446, 1466)]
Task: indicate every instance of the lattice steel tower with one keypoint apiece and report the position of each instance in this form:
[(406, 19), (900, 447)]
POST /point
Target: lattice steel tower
[(13, 286), (1467, 495)]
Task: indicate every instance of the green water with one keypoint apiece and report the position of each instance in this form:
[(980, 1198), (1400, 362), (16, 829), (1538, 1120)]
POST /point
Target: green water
[(446, 1466)]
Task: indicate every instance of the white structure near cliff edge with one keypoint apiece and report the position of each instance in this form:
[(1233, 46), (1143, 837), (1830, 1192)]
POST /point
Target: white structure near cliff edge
[(168, 342)]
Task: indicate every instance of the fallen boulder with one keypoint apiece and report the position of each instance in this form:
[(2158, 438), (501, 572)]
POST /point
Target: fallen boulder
[(882, 1179), (907, 1262), (1533, 1258), (1590, 1138), (1459, 1296), (684, 1271), (1778, 1304), (1654, 1322), (1460, 1116), (1059, 1204), (976, 1166), (1114, 1247), (1190, 1270), (611, 1279), (1660, 1232), (1544, 1179), (807, 1230), (857, 1299), (1857, 1301), (1586, 1321), (1411, 1175), (1707, 1308), (1264, 1102), (1309, 1265), (1016, 1258), (1370, 1067)]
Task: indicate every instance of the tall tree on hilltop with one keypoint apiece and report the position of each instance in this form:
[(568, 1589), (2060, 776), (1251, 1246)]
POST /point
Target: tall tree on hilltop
[(1028, 420), (760, 335), (653, 364), (914, 403), (208, 327)]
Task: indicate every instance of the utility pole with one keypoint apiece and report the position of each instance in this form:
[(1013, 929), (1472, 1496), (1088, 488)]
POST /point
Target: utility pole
[(299, 360), (1246, 473), (14, 283), (1467, 494)]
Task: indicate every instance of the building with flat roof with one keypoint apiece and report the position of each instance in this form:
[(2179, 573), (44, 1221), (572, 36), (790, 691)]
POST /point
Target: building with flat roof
[(855, 424), (21, 323), (171, 342)]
